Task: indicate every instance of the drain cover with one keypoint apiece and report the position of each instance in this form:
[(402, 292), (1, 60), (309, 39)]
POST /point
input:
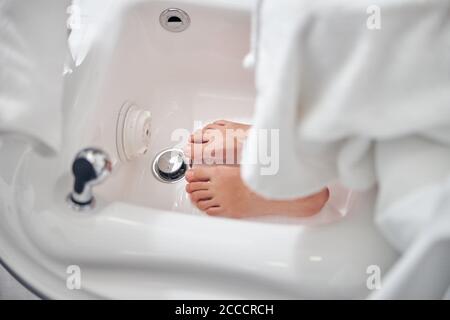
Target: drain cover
[(174, 20), (169, 165)]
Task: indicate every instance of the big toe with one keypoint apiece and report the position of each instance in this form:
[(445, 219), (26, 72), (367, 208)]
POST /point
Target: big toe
[(194, 151), (197, 186), (200, 136), (199, 173)]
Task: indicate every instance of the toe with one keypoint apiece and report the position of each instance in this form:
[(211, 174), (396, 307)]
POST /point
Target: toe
[(197, 186), (194, 151), (206, 204), (199, 136), (199, 173), (200, 195), (214, 211), (189, 176), (200, 153), (212, 126), (221, 122)]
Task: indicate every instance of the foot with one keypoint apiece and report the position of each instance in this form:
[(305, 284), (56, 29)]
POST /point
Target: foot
[(220, 191), (218, 143)]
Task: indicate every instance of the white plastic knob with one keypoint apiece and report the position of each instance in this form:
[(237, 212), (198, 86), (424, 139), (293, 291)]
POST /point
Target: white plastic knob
[(133, 132)]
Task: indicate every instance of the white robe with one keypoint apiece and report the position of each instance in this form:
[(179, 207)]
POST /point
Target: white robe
[(367, 107), (33, 46)]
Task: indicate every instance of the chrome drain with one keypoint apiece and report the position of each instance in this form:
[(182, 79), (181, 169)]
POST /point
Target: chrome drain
[(174, 20), (169, 165)]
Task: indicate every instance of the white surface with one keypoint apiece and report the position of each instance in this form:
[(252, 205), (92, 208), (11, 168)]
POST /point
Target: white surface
[(423, 271), (32, 51), (11, 289), (145, 240)]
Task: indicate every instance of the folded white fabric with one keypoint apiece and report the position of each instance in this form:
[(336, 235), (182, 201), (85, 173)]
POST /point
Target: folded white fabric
[(33, 45), (361, 105), (86, 20)]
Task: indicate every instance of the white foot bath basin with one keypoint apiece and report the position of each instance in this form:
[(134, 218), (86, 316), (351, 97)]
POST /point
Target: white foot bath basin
[(144, 239)]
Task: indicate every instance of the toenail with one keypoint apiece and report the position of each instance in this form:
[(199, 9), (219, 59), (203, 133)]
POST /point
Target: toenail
[(189, 174)]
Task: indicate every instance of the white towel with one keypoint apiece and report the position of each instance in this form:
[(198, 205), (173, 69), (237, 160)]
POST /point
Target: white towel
[(368, 107), (33, 45), (87, 18)]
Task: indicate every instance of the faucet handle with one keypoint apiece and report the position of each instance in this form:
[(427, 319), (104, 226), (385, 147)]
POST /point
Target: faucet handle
[(90, 167)]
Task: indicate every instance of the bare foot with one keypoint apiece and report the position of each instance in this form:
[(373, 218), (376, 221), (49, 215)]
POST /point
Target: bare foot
[(220, 191), (217, 143)]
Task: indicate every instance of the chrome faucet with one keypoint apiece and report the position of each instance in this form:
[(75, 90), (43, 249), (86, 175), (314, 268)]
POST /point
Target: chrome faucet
[(90, 167)]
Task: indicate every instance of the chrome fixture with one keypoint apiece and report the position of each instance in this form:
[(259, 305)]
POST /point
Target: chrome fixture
[(169, 165), (174, 20), (90, 167)]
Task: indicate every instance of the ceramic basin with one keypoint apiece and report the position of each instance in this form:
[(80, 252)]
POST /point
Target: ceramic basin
[(144, 239)]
